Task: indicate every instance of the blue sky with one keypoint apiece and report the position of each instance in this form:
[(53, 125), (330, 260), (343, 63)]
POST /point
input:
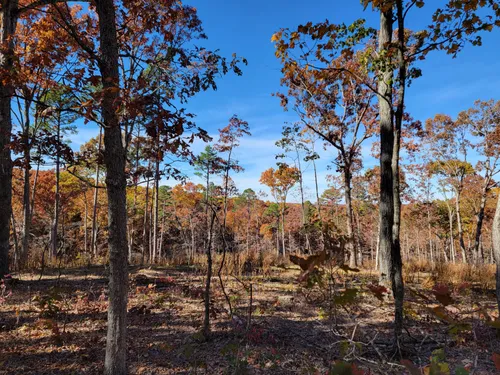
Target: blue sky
[(245, 27)]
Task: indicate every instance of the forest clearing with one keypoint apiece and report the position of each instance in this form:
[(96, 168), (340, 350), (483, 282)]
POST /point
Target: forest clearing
[(312, 190), (57, 325)]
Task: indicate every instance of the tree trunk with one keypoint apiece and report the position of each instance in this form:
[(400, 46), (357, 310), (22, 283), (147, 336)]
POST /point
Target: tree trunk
[(283, 228), (26, 204), (93, 239), (459, 225), (397, 264), (85, 219), (114, 160), (479, 220), (8, 21), (350, 247), (156, 209), (162, 232), (318, 203), (452, 240), (495, 234), (33, 189), (16, 243), (390, 252), (55, 222), (27, 190), (145, 229), (206, 321), (134, 207), (302, 204), (386, 201)]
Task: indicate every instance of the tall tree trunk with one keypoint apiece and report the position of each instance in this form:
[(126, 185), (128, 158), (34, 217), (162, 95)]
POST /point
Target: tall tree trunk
[(397, 264), (114, 160), (459, 226), (33, 189), (206, 321), (386, 201), (302, 204), (55, 222), (8, 21), (452, 239), (27, 190), (350, 247), (26, 204), (479, 220), (93, 239), (390, 252), (16, 243), (156, 209), (495, 235), (283, 228), (318, 203), (145, 228), (162, 232), (134, 207), (85, 220), (359, 252), (429, 229)]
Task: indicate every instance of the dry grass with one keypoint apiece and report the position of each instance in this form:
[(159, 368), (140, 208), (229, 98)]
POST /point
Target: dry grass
[(481, 275)]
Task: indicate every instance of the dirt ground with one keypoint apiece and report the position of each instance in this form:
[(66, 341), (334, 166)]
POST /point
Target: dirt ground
[(57, 325)]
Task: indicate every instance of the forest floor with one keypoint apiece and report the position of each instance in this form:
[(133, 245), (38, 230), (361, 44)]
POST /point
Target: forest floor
[(57, 325)]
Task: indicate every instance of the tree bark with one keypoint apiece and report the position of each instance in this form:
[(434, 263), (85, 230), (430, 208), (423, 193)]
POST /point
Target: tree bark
[(8, 21), (350, 247), (26, 204), (459, 226), (479, 220), (156, 209), (495, 234), (386, 202), (26, 189), (302, 204), (114, 160), (206, 321), (93, 239), (33, 189), (55, 222), (145, 228), (397, 264)]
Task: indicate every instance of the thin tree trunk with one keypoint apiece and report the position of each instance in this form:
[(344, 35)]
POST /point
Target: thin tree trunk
[(145, 227), (85, 220), (350, 247), (8, 22), (16, 243), (93, 239), (115, 160), (26, 190), (283, 228), (495, 235), (452, 240), (162, 232), (302, 204), (429, 229), (397, 264), (479, 220), (206, 321), (134, 207), (156, 208), (358, 240), (33, 189), (459, 225), (318, 203), (55, 222)]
